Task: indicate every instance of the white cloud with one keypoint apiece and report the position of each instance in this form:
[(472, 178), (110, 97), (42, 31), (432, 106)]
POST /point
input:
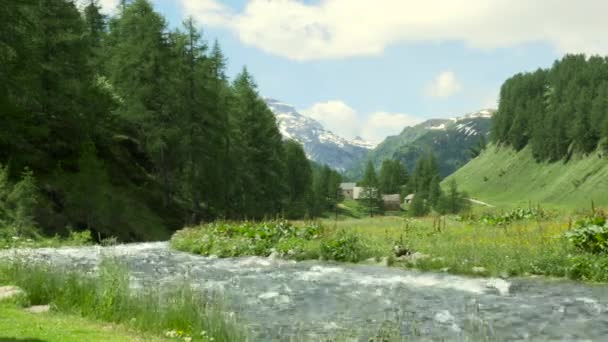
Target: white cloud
[(343, 28), (380, 125), (336, 116), (109, 6), (343, 120), (445, 85)]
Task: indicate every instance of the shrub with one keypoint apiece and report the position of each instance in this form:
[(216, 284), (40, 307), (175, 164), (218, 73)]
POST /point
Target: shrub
[(344, 246), (590, 235), (229, 239)]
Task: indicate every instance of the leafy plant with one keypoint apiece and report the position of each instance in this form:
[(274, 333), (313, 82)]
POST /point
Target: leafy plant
[(505, 218), (590, 234), (344, 246)]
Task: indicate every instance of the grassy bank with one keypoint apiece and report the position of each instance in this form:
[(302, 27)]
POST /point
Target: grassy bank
[(17, 324), (502, 176), (179, 312), (8, 240), (515, 243)]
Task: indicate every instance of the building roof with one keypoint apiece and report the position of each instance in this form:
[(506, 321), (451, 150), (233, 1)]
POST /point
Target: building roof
[(347, 186), (391, 198)]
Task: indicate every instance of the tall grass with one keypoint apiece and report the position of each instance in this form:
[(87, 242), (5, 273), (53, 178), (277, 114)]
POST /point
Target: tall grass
[(178, 312), (530, 246)]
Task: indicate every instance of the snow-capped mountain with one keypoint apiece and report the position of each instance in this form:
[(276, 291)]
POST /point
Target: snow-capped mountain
[(320, 145)]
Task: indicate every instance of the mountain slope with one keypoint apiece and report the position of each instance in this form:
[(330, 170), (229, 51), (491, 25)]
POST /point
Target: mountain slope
[(320, 145), (501, 176), (450, 140)]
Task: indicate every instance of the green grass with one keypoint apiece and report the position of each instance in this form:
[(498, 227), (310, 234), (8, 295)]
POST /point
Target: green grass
[(19, 325), (524, 247), (107, 297), (503, 177), (10, 240)]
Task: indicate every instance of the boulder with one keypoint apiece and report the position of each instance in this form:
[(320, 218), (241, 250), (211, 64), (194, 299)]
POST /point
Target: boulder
[(479, 269), (9, 292), (37, 309)]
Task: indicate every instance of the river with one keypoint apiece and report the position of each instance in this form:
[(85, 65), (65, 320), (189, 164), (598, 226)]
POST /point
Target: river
[(278, 299)]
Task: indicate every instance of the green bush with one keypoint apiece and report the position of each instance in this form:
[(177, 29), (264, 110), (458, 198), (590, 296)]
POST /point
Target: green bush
[(344, 246), (590, 235), (230, 239)]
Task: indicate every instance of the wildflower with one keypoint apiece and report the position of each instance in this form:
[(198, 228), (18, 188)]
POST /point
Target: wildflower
[(188, 339), (171, 333)]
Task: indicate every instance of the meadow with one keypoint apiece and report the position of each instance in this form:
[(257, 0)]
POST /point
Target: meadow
[(505, 178), (488, 242)]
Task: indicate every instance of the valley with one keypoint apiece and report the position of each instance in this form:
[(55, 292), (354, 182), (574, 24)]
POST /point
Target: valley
[(153, 187)]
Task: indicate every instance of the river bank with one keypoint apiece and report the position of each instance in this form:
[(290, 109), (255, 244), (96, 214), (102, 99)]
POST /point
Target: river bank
[(277, 299), (524, 242)]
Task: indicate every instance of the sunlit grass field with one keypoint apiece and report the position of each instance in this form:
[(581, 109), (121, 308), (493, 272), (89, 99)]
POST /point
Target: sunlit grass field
[(506, 178), (535, 246), (106, 297), (18, 325)]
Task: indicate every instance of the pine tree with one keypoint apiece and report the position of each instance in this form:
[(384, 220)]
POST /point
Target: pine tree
[(138, 66), (371, 199), (261, 150), (434, 191), (298, 179), (393, 176), (95, 28), (22, 201)]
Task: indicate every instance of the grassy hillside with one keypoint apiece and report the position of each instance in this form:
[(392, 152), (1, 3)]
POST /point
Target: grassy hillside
[(501, 176)]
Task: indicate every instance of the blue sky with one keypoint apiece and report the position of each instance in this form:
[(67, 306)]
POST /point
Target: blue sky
[(370, 67)]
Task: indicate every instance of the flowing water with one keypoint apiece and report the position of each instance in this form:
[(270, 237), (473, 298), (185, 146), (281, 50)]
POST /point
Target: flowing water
[(279, 299)]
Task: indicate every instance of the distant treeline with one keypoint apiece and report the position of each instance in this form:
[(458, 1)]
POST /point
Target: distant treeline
[(557, 111), (132, 130)]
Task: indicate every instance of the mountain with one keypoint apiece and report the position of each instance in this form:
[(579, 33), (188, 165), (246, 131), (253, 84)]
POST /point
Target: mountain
[(450, 139), (320, 145), (502, 176)]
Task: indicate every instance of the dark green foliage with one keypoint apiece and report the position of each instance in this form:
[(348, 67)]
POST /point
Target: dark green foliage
[(371, 199), (325, 190), (393, 176), (260, 150), (454, 201), (418, 207), (425, 183), (555, 111), (344, 246), (477, 149), (131, 130), (298, 175), (18, 204)]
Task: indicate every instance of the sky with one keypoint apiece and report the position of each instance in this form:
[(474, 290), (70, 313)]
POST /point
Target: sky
[(371, 67)]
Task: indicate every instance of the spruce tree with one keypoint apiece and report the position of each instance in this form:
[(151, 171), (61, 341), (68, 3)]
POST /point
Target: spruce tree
[(371, 198), (261, 148), (298, 179)]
